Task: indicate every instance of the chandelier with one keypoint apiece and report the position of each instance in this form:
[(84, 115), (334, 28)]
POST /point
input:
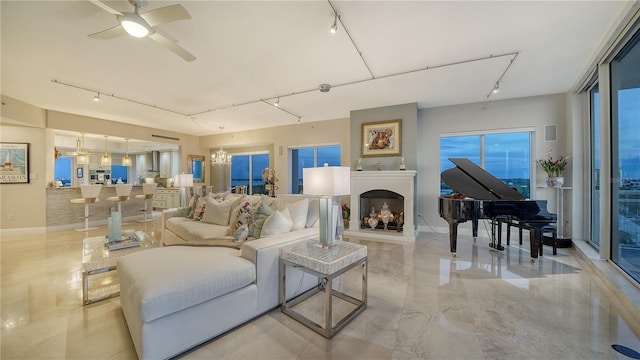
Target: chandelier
[(221, 157)]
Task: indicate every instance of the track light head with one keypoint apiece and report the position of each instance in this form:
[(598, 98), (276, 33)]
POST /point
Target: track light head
[(496, 88), (97, 97), (334, 27), (277, 103), (325, 87)]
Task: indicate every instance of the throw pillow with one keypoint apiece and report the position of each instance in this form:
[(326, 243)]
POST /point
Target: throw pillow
[(258, 219), (198, 211), (314, 212), (278, 223), (241, 214), (182, 212), (217, 212), (192, 206), (241, 234), (298, 211)]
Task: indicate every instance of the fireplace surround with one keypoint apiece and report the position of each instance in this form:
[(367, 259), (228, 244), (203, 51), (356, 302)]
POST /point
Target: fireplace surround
[(400, 183)]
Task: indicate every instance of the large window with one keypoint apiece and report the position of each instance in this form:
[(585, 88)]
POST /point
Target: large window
[(625, 158), (594, 96), (62, 171), (246, 170), (309, 157), (506, 156)]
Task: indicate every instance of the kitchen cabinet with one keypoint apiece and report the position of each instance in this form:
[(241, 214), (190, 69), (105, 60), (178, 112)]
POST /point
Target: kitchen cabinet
[(166, 198)]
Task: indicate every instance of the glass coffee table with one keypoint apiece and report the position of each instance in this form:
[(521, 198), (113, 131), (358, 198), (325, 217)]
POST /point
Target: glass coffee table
[(97, 259)]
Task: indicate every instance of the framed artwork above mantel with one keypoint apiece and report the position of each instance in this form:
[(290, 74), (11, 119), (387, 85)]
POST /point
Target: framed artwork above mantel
[(382, 138)]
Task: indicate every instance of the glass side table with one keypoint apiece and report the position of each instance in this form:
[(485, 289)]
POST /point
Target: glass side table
[(97, 259), (326, 265)]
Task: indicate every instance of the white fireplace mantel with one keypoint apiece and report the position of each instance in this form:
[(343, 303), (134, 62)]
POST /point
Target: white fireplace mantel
[(401, 182)]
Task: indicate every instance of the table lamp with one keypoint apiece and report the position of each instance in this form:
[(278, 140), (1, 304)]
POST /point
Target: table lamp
[(327, 181), (183, 181)]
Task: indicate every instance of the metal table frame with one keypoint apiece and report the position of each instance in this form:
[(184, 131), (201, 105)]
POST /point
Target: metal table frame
[(325, 283)]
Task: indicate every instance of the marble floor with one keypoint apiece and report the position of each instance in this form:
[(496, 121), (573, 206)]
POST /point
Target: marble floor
[(422, 305)]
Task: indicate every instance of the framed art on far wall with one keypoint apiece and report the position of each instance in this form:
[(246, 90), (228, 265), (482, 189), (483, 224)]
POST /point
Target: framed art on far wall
[(382, 138), (14, 168)]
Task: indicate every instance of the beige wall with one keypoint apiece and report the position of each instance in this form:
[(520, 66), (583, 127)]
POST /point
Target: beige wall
[(277, 141)]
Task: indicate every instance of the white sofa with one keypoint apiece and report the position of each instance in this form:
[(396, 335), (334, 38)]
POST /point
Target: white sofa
[(177, 297)]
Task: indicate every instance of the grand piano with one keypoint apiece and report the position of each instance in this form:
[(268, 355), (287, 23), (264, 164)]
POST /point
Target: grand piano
[(480, 195)]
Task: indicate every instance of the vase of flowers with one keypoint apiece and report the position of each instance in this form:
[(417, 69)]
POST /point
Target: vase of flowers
[(555, 169)]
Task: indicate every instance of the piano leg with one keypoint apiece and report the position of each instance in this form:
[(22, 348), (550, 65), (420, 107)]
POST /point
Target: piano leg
[(474, 229), (534, 243), (453, 237)]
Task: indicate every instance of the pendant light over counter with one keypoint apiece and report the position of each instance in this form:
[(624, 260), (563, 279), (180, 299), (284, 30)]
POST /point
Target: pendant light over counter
[(82, 157), (126, 160), (105, 159)]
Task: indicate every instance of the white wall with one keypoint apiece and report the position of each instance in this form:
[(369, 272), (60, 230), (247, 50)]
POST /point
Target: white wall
[(524, 113)]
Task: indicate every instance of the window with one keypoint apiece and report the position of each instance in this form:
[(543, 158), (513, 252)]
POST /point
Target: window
[(311, 157), (62, 171), (625, 158), (246, 170), (506, 156), (119, 172)]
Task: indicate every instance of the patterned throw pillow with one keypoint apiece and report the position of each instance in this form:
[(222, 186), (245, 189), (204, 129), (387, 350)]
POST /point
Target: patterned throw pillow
[(241, 234), (182, 212), (258, 219), (192, 206), (201, 204)]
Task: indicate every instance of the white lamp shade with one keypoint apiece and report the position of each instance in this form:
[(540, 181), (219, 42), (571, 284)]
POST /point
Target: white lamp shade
[(328, 180), (181, 180)]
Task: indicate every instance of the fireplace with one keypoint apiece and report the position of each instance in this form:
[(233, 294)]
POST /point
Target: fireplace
[(372, 204), (372, 189)]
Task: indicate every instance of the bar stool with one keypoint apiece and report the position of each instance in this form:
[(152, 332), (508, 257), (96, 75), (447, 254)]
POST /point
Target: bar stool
[(90, 195), (148, 190), (122, 194)]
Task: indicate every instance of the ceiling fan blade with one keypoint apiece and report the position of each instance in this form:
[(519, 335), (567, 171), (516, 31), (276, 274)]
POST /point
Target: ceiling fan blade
[(171, 45), (165, 15), (109, 33), (105, 7)]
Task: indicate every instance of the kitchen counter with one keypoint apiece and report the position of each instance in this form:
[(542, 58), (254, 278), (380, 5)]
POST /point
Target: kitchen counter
[(61, 212)]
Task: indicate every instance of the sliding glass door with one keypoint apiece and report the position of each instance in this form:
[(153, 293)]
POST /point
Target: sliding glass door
[(625, 158)]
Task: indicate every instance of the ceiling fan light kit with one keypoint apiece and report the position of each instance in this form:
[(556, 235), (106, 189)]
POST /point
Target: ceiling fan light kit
[(134, 25)]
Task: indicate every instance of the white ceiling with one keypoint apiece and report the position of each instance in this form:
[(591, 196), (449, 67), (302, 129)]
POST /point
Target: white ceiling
[(252, 50)]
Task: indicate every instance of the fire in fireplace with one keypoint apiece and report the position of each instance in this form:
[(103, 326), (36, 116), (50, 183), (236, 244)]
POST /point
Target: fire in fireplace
[(371, 205)]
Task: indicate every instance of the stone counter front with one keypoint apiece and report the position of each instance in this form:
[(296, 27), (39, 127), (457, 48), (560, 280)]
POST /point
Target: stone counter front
[(61, 213)]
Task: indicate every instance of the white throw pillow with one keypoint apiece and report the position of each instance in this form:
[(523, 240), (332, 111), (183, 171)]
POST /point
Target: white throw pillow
[(278, 223), (217, 212), (314, 213), (298, 211)]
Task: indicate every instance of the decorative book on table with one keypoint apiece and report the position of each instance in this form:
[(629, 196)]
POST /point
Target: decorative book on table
[(127, 241)]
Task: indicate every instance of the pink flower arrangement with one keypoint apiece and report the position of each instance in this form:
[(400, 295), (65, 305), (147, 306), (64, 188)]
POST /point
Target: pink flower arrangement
[(554, 168)]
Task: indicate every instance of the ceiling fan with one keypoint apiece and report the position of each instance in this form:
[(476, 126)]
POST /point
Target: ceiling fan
[(142, 25)]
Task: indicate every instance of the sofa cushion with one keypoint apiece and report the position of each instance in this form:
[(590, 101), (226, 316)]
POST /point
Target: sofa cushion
[(278, 223), (298, 211), (217, 212), (199, 233), (166, 280), (198, 212), (258, 219), (314, 212)]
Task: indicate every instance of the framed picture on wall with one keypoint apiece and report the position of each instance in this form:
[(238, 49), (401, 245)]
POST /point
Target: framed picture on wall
[(79, 173), (14, 168), (382, 138)]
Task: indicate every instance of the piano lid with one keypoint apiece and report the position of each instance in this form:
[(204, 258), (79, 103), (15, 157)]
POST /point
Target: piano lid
[(473, 181)]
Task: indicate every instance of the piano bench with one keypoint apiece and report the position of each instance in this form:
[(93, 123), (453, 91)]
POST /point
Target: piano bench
[(549, 232)]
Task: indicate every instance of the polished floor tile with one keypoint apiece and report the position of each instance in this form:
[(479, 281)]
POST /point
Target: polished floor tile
[(422, 304)]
